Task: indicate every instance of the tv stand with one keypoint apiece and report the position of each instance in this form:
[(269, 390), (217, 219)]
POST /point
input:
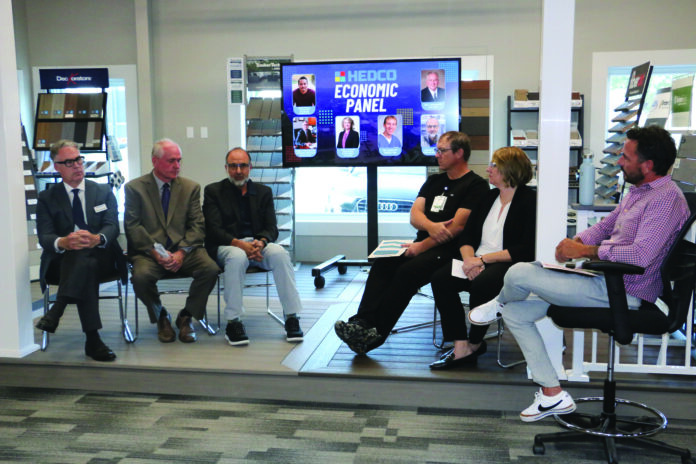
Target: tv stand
[(339, 261)]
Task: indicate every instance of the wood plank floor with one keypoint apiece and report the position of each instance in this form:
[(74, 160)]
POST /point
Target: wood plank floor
[(405, 356)]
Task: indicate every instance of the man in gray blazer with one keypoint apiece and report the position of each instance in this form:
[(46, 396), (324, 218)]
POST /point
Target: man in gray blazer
[(165, 231), (77, 225)]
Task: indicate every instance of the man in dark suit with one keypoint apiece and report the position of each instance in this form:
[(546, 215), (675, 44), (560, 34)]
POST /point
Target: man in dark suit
[(240, 225), (432, 92), (164, 227), (77, 224), (304, 136)]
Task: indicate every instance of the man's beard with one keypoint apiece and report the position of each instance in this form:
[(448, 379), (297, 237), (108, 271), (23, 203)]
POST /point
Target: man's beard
[(633, 178), (239, 183)]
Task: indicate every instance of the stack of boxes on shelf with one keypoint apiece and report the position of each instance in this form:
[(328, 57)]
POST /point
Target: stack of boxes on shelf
[(525, 133)]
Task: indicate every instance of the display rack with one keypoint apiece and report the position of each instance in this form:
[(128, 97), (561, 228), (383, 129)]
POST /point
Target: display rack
[(31, 200), (523, 124), (264, 145), (80, 117), (628, 115)]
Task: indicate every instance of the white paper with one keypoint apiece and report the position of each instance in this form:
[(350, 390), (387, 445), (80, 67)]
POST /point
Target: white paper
[(457, 270)]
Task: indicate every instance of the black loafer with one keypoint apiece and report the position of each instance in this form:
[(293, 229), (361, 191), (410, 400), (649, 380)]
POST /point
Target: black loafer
[(47, 324), (449, 362), (99, 352)]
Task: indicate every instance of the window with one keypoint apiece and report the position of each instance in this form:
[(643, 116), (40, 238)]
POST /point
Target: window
[(662, 77)]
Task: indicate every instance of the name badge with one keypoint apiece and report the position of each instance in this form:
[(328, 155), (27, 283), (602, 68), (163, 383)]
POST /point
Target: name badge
[(438, 203), (99, 208)]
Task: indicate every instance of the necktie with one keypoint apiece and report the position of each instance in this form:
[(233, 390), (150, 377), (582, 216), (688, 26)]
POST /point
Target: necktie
[(165, 199), (77, 213)]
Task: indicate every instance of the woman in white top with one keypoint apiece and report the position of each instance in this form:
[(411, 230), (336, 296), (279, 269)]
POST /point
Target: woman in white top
[(499, 232)]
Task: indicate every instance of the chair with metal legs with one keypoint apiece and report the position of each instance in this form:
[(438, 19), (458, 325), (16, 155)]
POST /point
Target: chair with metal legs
[(121, 296), (267, 285), (209, 328), (441, 345)]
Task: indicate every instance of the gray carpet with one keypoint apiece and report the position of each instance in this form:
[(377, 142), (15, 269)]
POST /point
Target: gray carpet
[(59, 426)]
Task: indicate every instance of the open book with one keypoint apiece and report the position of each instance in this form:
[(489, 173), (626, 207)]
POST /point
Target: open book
[(389, 248)]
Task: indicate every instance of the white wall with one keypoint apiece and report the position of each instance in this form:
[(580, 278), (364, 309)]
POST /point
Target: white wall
[(190, 42)]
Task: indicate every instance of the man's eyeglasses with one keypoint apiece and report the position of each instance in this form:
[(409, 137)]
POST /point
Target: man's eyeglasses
[(234, 166), (71, 162), (440, 151)]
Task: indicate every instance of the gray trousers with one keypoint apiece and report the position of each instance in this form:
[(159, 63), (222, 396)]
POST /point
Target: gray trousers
[(276, 259), (528, 291)]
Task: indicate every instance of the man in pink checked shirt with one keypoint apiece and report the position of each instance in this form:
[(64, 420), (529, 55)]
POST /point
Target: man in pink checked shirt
[(639, 231)]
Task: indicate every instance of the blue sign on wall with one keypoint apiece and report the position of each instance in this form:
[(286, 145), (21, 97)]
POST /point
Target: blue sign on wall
[(67, 78)]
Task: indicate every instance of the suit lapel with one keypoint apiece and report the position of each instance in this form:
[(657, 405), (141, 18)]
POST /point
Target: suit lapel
[(155, 199), (90, 200), (174, 199), (63, 202)]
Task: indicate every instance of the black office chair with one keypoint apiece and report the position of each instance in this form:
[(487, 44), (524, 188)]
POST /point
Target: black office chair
[(121, 295), (630, 424)]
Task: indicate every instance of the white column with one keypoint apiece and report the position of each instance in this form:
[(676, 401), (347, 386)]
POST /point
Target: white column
[(143, 57), (555, 87), (16, 332)]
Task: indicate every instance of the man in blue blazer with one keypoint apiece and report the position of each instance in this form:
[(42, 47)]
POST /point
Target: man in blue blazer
[(77, 224)]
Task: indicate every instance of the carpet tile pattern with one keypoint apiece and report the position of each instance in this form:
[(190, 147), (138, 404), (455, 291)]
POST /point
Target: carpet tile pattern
[(60, 426)]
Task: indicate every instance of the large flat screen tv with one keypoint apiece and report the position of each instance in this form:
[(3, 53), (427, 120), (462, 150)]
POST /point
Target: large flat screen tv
[(368, 113)]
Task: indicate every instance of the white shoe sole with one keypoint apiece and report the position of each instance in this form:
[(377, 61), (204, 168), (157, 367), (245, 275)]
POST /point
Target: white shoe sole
[(552, 412), (238, 343)]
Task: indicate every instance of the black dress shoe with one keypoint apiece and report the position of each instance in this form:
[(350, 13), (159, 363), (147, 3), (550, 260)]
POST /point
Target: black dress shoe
[(99, 351), (47, 324), (449, 362)]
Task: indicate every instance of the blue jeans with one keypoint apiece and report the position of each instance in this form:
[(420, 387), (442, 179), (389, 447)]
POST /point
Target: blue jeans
[(528, 291)]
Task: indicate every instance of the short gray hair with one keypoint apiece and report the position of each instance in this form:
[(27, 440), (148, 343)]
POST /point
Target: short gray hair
[(62, 143), (157, 150)]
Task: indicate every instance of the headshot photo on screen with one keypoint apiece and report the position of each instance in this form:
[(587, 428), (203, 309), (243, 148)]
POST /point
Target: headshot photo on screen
[(305, 136), (349, 135), (304, 97), (433, 88), (432, 126), (389, 140)]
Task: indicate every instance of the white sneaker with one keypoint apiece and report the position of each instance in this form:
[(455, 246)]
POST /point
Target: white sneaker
[(544, 406), (486, 314)]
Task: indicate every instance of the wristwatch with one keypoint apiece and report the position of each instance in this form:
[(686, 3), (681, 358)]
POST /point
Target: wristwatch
[(102, 240)]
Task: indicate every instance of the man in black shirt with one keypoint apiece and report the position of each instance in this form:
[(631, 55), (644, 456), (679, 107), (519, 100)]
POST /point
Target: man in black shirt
[(439, 214)]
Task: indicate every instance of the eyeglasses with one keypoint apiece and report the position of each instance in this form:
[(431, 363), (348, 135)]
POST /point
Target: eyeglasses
[(234, 166), (70, 162), (440, 151), (492, 165)]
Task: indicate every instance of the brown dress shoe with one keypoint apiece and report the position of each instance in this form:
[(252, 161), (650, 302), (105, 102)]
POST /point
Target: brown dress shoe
[(165, 332), (187, 334)]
